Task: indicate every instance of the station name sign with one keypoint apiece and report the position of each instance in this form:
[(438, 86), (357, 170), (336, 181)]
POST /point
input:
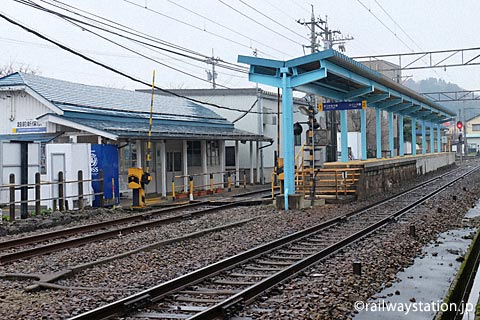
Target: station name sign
[(342, 105), (29, 126)]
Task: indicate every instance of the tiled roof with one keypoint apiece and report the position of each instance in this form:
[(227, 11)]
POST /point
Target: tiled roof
[(77, 97)]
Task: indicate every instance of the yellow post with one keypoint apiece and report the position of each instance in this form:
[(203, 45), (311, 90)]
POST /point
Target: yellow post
[(273, 185), (229, 181), (191, 187), (173, 188)]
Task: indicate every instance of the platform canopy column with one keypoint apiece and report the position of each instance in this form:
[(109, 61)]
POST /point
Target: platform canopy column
[(344, 135), (391, 145), (163, 166), (432, 138), (203, 152), (237, 164), (439, 138), (378, 133), (221, 155), (401, 143), (257, 162), (424, 137), (414, 136), (363, 129), (185, 164), (251, 162)]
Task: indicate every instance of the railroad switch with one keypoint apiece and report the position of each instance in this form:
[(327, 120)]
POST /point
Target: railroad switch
[(137, 180)]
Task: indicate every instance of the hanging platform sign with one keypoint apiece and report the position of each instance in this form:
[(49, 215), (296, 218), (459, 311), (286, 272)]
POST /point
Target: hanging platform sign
[(342, 105)]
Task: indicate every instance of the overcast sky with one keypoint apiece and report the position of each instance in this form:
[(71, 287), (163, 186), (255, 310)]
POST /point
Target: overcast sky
[(421, 25)]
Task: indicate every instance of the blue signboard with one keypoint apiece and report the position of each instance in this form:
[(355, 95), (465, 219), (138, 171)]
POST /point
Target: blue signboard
[(342, 105), (105, 157)]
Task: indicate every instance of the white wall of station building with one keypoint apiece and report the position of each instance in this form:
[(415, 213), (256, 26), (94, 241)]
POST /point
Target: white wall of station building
[(19, 106)]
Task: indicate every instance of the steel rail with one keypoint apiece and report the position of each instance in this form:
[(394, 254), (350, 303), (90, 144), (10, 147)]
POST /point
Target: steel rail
[(94, 226), (91, 227), (159, 292), (28, 253)]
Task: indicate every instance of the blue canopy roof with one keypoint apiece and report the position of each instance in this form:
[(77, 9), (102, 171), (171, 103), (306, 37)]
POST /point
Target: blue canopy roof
[(333, 75)]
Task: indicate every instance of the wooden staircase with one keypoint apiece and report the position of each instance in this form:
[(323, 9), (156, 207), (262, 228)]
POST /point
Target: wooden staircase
[(337, 183)]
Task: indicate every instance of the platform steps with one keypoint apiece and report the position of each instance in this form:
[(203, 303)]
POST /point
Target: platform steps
[(336, 183)]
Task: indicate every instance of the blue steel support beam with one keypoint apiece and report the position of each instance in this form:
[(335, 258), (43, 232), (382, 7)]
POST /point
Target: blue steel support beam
[(344, 135), (363, 132), (386, 104), (321, 91), (308, 77), (390, 134), (414, 136), (378, 132), (424, 137), (359, 92), (439, 139), (377, 98), (432, 138), (400, 136), (411, 111), (288, 147), (400, 107)]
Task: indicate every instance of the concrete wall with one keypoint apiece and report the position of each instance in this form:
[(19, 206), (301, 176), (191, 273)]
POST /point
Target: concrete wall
[(381, 176), (435, 161)]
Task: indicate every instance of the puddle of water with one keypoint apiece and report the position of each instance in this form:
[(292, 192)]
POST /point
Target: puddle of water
[(424, 284)]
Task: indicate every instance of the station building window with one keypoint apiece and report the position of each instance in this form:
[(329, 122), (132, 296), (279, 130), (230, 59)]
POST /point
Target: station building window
[(475, 127), (194, 154), (213, 152), (229, 156), (174, 161), (128, 157)]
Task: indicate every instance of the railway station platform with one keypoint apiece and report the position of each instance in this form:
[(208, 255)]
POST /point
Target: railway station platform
[(360, 179)]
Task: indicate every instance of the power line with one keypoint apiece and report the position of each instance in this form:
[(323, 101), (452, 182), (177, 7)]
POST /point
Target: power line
[(233, 67), (281, 10), (275, 21), (112, 69), (399, 26), (71, 20), (257, 22), (303, 8), (408, 36), (188, 24), (383, 24), (226, 27)]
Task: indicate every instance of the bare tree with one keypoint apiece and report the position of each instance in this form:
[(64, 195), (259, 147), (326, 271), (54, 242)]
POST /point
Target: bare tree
[(10, 68)]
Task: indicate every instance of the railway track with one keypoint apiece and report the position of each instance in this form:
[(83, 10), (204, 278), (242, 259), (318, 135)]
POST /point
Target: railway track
[(26, 247), (223, 288)]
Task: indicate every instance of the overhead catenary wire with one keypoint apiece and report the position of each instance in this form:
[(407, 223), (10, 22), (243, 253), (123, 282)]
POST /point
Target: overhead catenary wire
[(201, 58), (257, 22), (74, 22), (383, 24), (84, 28), (273, 20), (191, 25), (114, 70), (227, 28), (408, 36)]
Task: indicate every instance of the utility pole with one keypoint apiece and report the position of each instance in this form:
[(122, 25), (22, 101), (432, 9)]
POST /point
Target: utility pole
[(212, 75), (329, 38)]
